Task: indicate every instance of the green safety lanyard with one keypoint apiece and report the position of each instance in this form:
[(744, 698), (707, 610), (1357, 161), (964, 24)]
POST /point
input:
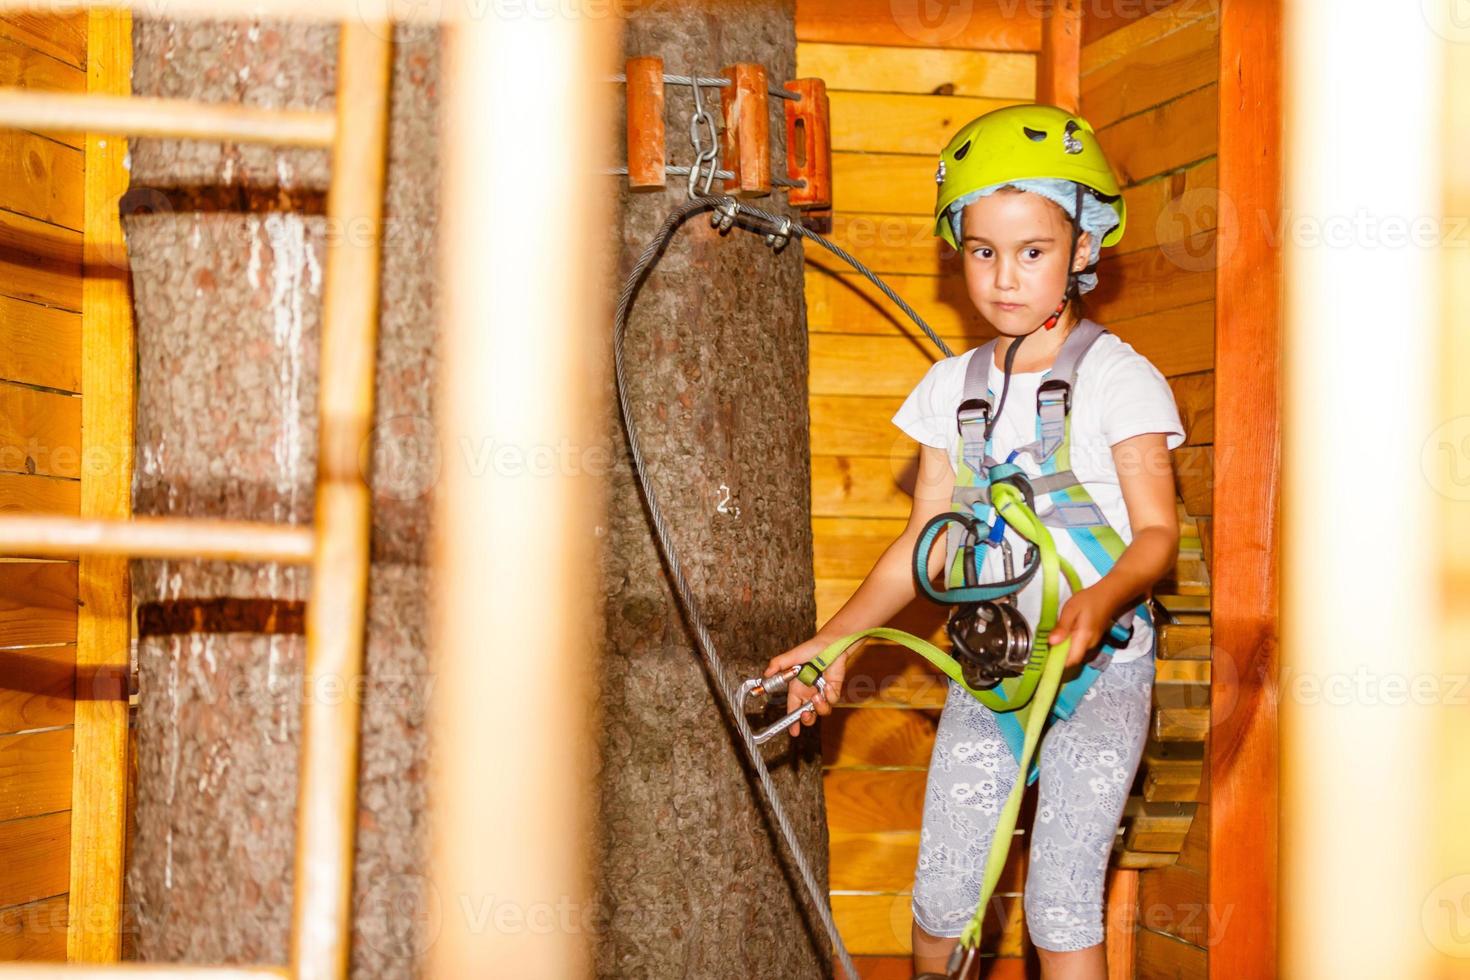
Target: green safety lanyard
[(1031, 696)]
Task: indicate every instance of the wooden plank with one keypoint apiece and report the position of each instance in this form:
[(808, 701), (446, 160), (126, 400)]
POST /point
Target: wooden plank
[(1166, 137), (99, 773), (39, 687), (1195, 854), (1155, 279), (1153, 74), (1245, 742), (920, 617), (884, 861), (34, 931), (36, 860), (1159, 827), (22, 66), (1176, 783), (1106, 39), (1171, 208), (40, 262), (884, 967), (878, 737), (1059, 66), (872, 861), (1183, 642), (886, 675), (878, 925), (859, 486), (849, 547), (1120, 919), (21, 493), (1194, 474), (38, 602), (984, 25), (1174, 901), (867, 366), (35, 773), (887, 122), (886, 243), (892, 183), (1194, 394), (40, 432), (921, 71), (61, 36), (1182, 683), (1184, 604), (41, 178), (1181, 724), (873, 801), (1177, 341), (850, 303), (845, 425), (40, 345), (1163, 957)]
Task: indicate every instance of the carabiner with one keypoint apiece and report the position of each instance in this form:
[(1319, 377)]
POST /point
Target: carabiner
[(963, 964), (776, 685)]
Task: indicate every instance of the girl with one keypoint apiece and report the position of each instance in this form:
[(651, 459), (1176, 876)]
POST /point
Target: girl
[(1027, 195)]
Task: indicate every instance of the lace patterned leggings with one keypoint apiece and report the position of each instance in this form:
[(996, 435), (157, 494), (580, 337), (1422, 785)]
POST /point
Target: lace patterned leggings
[(1087, 766)]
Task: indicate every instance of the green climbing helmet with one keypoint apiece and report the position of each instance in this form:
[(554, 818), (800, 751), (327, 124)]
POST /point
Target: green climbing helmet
[(1020, 142)]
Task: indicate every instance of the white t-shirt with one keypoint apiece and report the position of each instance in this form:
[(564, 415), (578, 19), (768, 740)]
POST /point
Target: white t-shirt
[(1118, 394)]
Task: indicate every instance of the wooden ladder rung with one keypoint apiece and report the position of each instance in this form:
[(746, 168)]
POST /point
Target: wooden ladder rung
[(183, 118), (142, 971), (38, 535)]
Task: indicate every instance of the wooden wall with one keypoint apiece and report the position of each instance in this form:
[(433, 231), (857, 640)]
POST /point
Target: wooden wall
[(41, 219), (1149, 86), (62, 726), (898, 91)]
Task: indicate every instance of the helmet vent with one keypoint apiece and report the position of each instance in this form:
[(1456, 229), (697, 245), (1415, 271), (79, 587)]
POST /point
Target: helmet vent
[(960, 153), (1034, 135), (1070, 143)]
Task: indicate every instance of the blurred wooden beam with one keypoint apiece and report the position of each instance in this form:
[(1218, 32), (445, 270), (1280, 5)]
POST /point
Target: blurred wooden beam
[(1243, 746), (1059, 67)]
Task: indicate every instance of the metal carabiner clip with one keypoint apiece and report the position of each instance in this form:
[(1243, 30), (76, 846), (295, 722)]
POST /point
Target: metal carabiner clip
[(774, 686), (963, 964)]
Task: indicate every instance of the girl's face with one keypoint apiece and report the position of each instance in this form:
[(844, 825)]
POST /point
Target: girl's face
[(1015, 258)]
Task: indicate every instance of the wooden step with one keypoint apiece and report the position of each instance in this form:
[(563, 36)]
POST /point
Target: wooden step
[(37, 535), (181, 118)]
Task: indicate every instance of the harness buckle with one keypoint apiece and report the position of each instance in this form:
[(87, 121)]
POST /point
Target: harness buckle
[(1052, 391), (972, 410)]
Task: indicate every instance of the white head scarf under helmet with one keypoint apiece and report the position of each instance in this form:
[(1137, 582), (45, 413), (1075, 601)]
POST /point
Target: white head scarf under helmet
[(1097, 218)]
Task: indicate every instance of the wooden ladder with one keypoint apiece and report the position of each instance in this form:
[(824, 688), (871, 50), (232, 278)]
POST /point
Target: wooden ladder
[(336, 545)]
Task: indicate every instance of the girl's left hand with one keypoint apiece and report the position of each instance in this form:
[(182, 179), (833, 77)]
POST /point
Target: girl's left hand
[(1084, 620)]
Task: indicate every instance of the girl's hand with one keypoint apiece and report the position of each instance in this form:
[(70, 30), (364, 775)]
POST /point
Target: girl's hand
[(797, 692), (1084, 619)]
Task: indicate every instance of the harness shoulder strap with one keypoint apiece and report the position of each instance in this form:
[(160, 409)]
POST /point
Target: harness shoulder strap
[(1054, 395)]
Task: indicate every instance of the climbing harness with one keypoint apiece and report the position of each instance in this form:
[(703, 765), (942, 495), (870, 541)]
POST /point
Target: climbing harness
[(997, 656)]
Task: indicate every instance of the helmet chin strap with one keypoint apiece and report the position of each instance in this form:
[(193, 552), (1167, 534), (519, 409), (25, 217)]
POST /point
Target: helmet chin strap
[(1068, 295)]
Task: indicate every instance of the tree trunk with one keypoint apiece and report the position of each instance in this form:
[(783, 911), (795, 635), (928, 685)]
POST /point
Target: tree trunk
[(691, 881), (227, 245)]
